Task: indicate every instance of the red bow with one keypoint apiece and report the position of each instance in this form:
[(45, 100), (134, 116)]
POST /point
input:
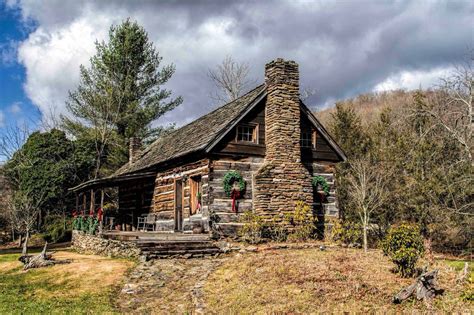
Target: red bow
[(100, 212), (234, 195)]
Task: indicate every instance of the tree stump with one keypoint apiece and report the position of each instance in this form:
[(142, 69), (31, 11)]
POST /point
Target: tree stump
[(41, 260), (425, 288)]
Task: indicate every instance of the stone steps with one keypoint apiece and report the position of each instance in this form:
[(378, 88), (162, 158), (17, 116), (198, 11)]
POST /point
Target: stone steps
[(181, 253), (185, 248)]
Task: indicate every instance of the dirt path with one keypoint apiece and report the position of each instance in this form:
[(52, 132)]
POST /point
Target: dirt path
[(167, 286)]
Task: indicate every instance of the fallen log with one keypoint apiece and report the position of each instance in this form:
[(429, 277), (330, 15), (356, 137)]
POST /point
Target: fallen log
[(425, 288), (41, 260)]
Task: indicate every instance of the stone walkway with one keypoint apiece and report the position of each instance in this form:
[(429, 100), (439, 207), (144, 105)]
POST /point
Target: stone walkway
[(167, 286)]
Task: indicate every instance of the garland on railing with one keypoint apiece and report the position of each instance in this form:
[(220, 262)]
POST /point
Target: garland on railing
[(319, 181), (85, 223)]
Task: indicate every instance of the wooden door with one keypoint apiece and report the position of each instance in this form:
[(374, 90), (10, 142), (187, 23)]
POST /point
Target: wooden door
[(178, 205)]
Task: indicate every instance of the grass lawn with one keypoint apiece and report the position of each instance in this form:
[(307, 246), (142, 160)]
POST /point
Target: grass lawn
[(84, 286), (313, 281)]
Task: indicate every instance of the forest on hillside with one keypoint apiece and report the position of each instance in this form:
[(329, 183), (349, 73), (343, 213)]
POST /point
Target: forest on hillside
[(409, 160)]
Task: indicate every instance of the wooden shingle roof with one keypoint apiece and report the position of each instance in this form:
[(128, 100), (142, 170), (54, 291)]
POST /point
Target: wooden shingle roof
[(193, 137)]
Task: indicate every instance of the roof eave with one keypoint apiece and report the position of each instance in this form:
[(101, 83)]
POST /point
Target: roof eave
[(324, 132)]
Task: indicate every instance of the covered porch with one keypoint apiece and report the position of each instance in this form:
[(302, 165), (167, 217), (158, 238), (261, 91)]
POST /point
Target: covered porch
[(121, 204)]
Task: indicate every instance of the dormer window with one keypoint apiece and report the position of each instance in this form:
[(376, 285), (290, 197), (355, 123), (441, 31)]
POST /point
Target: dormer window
[(247, 133), (308, 139)]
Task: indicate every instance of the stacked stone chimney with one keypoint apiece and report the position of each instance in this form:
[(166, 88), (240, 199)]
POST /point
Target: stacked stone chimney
[(135, 148), (283, 179)]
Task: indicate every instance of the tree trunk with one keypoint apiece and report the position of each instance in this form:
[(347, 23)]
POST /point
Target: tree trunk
[(425, 288), (24, 252), (366, 221)]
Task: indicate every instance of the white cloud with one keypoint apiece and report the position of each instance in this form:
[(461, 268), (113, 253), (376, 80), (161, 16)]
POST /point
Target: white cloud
[(15, 108), (343, 48), (52, 59), (412, 80)]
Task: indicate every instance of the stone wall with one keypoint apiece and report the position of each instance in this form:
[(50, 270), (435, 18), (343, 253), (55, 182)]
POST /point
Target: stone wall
[(93, 244), (283, 179)]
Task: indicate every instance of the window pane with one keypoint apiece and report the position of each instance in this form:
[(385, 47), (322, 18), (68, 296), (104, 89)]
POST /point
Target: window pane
[(246, 133)]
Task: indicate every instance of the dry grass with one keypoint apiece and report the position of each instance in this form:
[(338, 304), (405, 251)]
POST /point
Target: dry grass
[(83, 286), (313, 281)]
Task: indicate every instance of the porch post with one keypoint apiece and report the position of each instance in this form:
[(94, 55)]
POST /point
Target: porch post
[(101, 226), (92, 208), (77, 203), (84, 203)]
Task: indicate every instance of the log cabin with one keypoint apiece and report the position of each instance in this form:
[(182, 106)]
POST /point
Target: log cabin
[(268, 137)]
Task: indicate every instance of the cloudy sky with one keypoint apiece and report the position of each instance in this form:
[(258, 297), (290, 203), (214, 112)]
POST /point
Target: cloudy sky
[(343, 47)]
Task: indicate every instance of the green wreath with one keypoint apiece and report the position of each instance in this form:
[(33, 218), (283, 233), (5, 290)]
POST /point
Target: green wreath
[(229, 179), (321, 182)]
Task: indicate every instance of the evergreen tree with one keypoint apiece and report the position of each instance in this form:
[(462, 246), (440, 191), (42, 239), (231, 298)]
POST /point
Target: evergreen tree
[(120, 94)]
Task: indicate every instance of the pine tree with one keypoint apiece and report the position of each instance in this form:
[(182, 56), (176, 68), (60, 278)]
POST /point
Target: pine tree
[(120, 94)]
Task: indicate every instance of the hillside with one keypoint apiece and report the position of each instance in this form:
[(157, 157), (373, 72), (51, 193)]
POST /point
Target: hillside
[(370, 105)]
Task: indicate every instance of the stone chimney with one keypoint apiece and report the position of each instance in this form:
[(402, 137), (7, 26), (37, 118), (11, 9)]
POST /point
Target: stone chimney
[(135, 148), (282, 115), (283, 179)]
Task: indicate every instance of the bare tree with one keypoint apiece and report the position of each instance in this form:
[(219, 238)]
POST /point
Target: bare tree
[(453, 110), (306, 93), (23, 212), (231, 79), (12, 139), (367, 191)]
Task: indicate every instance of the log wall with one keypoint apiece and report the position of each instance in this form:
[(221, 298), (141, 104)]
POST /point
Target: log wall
[(164, 194), (219, 203)]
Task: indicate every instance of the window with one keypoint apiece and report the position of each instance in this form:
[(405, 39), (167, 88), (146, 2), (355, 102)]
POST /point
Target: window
[(308, 139), (247, 133)]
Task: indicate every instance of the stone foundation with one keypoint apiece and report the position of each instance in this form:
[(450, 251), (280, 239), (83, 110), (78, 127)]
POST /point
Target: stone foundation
[(96, 245)]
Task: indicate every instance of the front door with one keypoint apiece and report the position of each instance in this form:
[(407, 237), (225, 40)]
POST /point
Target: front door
[(178, 205)]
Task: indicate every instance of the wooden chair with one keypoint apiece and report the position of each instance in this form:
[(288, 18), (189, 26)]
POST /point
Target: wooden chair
[(141, 222), (109, 223), (150, 221)]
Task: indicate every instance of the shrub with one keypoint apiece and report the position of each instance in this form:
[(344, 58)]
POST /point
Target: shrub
[(347, 232), (56, 229), (404, 245), (252, 230), (301, 221), (275, 231)]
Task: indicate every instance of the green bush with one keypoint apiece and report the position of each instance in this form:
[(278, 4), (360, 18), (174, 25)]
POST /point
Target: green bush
[(301, 222), (252, 230), (404, 245), (56, 229)]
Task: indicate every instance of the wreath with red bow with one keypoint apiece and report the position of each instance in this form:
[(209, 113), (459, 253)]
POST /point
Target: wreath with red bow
[(230, 179)]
